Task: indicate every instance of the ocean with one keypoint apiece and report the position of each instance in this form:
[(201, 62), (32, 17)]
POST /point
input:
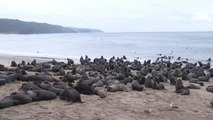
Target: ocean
[(148, 45)]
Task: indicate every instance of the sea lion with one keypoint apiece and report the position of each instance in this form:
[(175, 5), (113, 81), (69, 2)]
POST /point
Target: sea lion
[(210, 88), (179, 85), (62, 72), (195, 80), (2, 67), (56, 90), (70, 61), (120, 76), (85, 86), (2, 81), (15, 99), (60, 85), (46, 65), (128, 80), (179, 88), (6, 102), (117, 87), (49, 87), (40, 78), (211, 72), (43, 85), (38, 95), (191, 75), (193, 86), (8, 77), (26, 67), (70, 95), (56, 68), (98, 84), (158, 86), (28, 86), (69, 78), (204, 78), (136, 86), (21, 98), (148, 82), (101, 92), (33, 62), (172, 80), (13, 64)]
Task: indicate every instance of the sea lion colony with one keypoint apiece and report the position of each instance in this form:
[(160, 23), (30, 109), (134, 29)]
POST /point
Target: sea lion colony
[(69, 80)]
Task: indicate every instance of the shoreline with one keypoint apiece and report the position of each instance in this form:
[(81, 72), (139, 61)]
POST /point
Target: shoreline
[(6, 59)]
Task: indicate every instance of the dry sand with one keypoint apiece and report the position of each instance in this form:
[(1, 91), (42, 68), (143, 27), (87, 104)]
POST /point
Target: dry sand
[(148, 105), (116, 106)]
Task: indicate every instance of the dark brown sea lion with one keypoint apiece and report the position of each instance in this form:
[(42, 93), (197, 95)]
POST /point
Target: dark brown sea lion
[(2, 81), (158, 86), (70, 95), (13, 64), (46, 65), (33, 62), (210, 88), (195, 80), (101, 92), (56, 90), (8, 77), (2, 67), (98, 84), (117, 87), (204, 78), (15, 99), (148, 82), (172, 80), (28, 86), (38, 95), (70, 61), (193, 86), (40, 78), (136, 86), (43, 85), (56, 68), (69, 78), (85, 86), (120, 76), (179, 88), (211, 72)]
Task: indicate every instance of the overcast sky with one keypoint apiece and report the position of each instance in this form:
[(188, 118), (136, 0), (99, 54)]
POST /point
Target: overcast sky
[(115, 15)]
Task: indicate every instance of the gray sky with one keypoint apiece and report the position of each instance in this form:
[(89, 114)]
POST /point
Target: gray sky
[(115, 15)]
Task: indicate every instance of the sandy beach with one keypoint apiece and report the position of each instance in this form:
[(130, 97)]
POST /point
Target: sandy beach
[(148, 104)]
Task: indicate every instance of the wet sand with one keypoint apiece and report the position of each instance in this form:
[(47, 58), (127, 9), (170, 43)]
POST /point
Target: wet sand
[(148, 105)]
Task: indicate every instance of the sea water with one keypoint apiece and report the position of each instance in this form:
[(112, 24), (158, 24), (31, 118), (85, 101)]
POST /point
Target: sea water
[(147, 45)]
